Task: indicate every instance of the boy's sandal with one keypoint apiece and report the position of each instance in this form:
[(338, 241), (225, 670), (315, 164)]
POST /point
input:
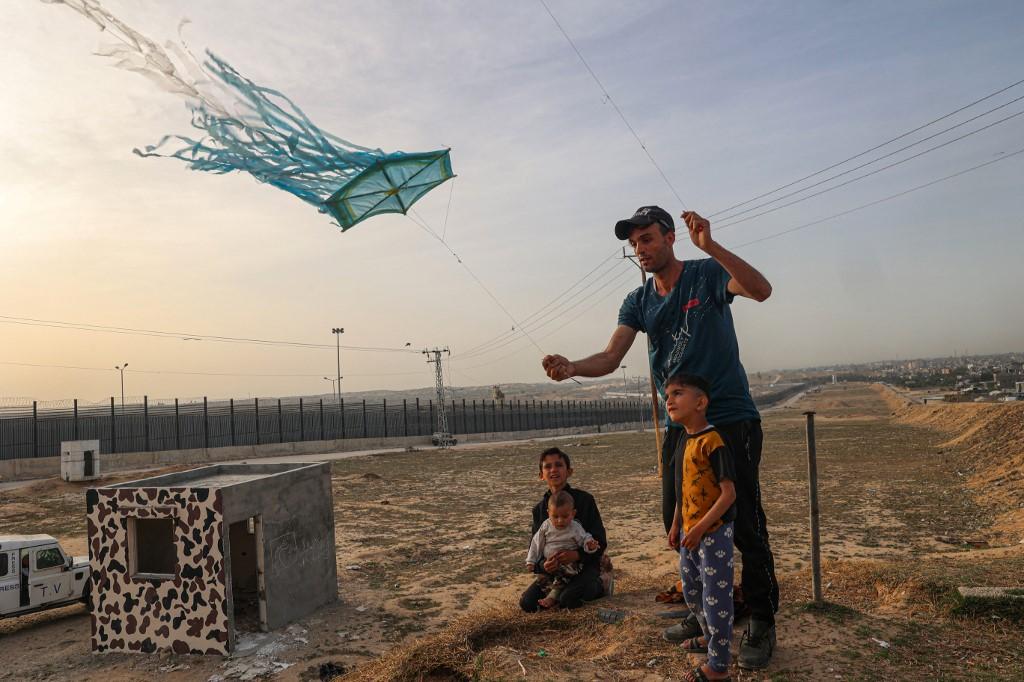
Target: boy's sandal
[(697, 675), (693, 646)]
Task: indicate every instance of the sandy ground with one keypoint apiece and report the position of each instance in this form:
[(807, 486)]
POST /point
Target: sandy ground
[(430, 547)]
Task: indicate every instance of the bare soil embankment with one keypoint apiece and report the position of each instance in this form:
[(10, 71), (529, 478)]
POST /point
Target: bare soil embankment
[(989, 441)]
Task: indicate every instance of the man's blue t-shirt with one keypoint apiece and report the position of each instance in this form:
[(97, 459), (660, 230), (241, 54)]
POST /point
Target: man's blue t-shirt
[(691, 331)]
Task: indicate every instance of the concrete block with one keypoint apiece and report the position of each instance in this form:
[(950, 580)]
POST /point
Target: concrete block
[(1006, 602)]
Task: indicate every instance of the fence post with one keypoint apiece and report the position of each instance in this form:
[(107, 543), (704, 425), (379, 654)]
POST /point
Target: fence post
[(321, 418), (302, 422), (812, 481), (280, 424), (256, 404), (231, 407), (494, 417), (364, 419), (341, 407), (475, 429), (385, 404), (177, 424), (430, 415), (419, 427), (113, 426), (206, 424), (455, 422), (74, 429), (35, 428), (405, 417), (145, 423)]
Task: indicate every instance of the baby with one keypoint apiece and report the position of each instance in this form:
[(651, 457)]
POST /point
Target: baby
[(559, 533)]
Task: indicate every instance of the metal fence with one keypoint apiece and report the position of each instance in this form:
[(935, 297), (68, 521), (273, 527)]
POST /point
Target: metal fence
[(35, 431)]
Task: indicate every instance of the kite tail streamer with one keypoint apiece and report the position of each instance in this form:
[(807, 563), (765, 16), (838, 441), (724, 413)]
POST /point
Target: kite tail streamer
[(244, 126)]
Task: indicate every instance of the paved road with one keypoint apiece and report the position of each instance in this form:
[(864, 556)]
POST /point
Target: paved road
[(331, 456)]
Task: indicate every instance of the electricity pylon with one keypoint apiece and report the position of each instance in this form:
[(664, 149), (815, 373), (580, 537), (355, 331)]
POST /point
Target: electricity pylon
[(442, 437)]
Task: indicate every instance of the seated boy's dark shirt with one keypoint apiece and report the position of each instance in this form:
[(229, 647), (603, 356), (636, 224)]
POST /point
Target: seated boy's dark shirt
[(588, 516)]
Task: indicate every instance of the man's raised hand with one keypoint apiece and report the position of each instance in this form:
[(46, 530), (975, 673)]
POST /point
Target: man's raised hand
[(699, 228), (558, 367)]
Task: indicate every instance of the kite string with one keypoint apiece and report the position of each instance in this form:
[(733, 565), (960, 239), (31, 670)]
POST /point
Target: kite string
[(451, 193), (418, 219), (615, 106)]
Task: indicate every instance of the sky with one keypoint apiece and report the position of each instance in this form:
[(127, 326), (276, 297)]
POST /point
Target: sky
[(731, 99)]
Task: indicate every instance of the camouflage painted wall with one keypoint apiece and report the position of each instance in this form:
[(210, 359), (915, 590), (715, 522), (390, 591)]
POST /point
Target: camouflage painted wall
[(186, 614)]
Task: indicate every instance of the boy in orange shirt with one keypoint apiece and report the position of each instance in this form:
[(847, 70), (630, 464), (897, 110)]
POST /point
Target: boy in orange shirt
[(702, 527)]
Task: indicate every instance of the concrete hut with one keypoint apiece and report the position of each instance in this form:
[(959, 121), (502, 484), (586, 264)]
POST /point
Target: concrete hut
[(182, 562)]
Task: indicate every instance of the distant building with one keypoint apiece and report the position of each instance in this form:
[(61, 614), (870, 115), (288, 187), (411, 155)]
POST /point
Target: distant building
[(496, 393), (1008, 376)]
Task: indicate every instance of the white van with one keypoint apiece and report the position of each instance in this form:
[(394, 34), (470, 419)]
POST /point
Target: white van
[(36, 574)]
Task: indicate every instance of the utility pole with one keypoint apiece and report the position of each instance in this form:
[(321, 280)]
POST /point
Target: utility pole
[(442, 437), (338, 331), (654, 389)]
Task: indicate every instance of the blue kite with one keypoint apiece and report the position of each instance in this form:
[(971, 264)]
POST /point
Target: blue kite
[(258, 130)]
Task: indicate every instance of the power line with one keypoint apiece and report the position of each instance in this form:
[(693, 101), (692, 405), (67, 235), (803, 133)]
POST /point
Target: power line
[(624, 277), (615, 106), (188, 336), (534, 314), (866, 175), (204, 374), (892, 153), (879, 201), (419, 221), (868, 151), (615, 279), (532, 317)]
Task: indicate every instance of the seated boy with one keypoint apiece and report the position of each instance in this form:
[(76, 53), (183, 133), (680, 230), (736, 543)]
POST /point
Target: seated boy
[(594, 581)]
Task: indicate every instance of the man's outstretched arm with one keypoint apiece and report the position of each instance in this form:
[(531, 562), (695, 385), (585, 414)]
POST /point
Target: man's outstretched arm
[(596, 365)]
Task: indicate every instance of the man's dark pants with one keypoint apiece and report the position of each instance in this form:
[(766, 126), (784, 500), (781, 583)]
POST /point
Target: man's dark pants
[(744, 439), (584, 587)]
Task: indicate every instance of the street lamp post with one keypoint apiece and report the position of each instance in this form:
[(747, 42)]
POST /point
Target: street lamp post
[(120, 368), (332, 385), (338, 331)]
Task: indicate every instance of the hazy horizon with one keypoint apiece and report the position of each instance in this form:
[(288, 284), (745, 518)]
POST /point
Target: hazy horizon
[(732, 100)]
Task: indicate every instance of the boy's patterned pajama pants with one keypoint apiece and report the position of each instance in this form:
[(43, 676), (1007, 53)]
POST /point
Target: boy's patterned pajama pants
[(707, 574)]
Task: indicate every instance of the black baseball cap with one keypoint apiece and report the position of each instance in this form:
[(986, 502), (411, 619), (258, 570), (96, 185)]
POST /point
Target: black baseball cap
[(644, 216)]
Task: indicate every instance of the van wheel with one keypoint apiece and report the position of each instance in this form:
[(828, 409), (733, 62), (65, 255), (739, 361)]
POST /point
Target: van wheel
[(87, 596)]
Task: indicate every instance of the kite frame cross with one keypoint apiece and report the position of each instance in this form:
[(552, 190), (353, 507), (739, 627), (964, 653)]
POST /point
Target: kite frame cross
[(346, 219)]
